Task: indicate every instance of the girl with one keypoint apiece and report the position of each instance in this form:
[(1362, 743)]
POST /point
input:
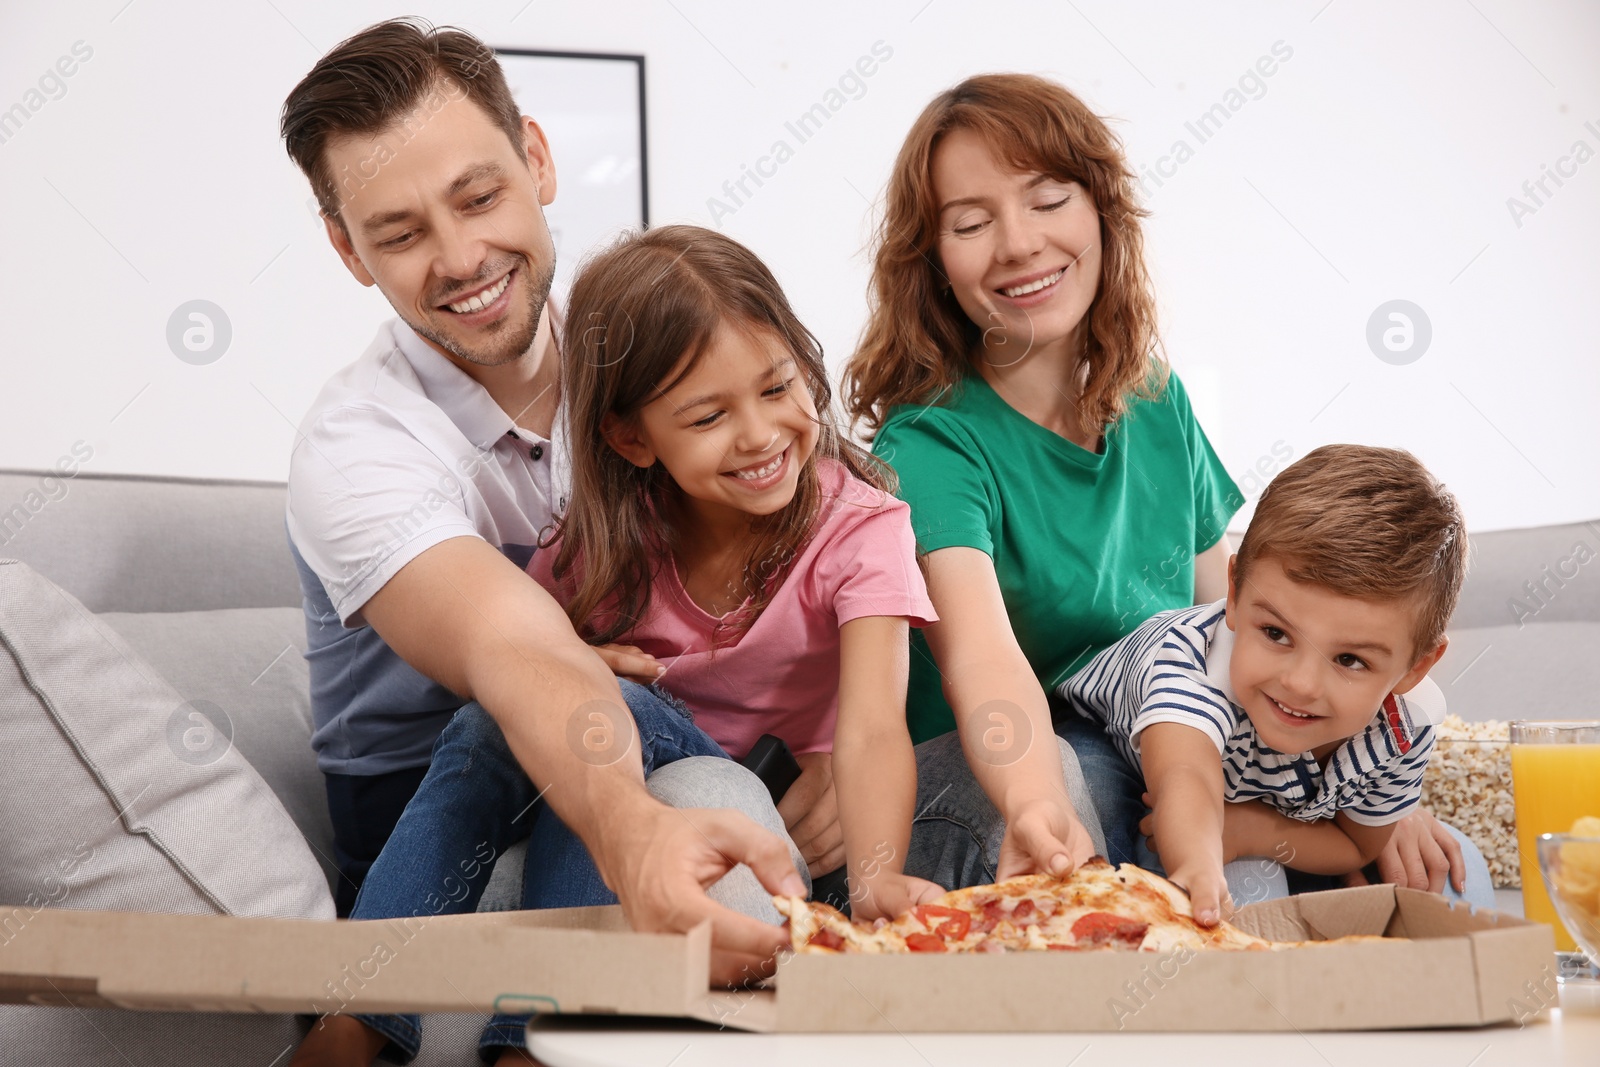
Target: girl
[(722, 526), (1058, 478)]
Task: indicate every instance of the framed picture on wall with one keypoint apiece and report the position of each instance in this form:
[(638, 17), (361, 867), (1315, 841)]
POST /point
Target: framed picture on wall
[(591, 107)]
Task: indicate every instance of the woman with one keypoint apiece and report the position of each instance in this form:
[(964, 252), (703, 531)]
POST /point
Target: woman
[(1060, 484)]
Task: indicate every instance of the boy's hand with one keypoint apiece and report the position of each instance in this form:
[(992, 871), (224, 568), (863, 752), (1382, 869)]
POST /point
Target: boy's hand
[(630, 662), (889, 895), (1244, 825), (1043, 836), (1208, 892), (810, 811), (1420, 853)]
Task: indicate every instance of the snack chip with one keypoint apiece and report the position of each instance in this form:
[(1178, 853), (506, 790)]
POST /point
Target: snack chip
[(1577, 882)]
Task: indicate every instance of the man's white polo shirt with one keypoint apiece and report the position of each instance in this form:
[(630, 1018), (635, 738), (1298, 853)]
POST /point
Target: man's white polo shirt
[(401, 450)]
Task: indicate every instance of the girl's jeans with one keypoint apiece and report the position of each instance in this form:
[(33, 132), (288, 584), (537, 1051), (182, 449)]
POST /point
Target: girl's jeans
[(476, 801)]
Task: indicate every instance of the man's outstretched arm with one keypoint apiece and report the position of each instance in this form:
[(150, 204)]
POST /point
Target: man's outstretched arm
[(465, 616)]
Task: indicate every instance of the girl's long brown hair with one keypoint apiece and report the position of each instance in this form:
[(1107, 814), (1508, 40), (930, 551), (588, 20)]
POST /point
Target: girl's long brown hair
[(918, 343), (639, 309)]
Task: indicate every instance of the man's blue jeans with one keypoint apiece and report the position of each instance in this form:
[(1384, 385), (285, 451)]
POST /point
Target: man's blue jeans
[(1118, 794), (474, 803)]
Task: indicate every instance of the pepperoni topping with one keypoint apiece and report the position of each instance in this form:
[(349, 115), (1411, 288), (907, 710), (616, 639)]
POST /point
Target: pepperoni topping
[(825, 938), (920, 942), (946, 922), (1100, 928), (1023, 909)]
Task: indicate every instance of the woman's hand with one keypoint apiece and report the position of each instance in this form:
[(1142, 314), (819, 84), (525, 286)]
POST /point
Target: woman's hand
[(1420, 853), (810, 811), (889, 895), (627, 661), (1043, 836)]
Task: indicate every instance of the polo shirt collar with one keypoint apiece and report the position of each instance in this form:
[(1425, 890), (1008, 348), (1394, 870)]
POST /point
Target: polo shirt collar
[(1219, 655), (468, 404)]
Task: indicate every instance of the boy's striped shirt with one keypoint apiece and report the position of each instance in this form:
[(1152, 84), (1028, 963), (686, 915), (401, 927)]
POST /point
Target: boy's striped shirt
[(1174, 668)]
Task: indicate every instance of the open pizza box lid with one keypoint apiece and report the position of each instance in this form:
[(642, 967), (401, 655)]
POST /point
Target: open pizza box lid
[(1456, 969)]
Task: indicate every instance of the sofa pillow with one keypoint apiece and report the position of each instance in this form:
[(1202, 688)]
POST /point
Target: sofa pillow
[(248, 666), (120, 793)]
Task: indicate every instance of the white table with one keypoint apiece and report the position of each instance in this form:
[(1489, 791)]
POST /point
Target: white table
[(1551, 1041)]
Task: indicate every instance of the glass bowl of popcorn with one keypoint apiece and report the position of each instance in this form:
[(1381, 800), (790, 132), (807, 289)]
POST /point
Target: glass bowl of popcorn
[(1570, 864)]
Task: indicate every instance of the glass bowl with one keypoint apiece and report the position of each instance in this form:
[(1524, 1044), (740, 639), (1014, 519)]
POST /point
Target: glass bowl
[(1570, 865)]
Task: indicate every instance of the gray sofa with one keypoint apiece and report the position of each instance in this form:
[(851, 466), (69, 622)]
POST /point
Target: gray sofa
[(196, 577)]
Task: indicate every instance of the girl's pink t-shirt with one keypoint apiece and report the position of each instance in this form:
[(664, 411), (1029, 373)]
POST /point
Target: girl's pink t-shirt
[(781, 676)]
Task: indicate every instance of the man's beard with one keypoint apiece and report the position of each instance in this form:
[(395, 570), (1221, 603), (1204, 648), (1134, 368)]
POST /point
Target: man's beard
[(512, 346)]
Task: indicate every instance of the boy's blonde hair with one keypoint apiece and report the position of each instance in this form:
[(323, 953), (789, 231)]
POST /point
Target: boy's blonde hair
[(1369, 523)]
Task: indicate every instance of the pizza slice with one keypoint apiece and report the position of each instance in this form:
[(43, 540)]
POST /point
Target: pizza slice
[(1096, 907)]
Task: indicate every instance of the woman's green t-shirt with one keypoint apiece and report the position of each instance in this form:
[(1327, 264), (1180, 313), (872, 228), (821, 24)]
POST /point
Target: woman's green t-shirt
[(1086, 545)]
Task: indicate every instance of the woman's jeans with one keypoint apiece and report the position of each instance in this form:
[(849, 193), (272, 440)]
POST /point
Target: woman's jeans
[(1118, 794), (476, 801)]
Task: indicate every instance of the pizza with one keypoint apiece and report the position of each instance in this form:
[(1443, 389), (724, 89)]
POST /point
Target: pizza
[(1097, 906)]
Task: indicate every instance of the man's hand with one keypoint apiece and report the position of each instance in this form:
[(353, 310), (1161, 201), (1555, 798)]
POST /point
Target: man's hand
[(1420, 853), (889, 895), (661, 862), (1208, 892), (810, 811), (627, 661), (1043, 836)]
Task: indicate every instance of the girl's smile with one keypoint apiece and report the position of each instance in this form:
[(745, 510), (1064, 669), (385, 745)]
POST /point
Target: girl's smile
[(763, 475)]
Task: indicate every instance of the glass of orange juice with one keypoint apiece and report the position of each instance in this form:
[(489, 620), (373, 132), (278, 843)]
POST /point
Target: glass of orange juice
[(1555, 776)]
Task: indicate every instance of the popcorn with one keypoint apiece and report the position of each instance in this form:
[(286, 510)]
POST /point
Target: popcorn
[(1468, 785)]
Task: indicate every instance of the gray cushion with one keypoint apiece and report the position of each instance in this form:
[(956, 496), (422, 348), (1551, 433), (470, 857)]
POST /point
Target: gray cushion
[(1545, 670), (126, 543), (248, 662), (132, 798), (1544, 574)]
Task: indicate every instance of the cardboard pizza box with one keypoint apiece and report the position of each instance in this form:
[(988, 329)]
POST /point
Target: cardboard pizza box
[(1436, 966)]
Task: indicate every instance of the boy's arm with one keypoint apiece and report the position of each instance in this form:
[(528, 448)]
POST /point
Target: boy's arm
[(874, 768), (1183, 773), (1326, 846)]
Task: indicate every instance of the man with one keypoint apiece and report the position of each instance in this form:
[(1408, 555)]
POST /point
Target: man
[(421, 481)]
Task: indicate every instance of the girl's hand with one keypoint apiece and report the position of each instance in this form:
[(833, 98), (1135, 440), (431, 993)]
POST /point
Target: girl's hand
[(1208, 892), (1043, 836), (1420, 853), (626, 661), (810, 811), (889, 895)]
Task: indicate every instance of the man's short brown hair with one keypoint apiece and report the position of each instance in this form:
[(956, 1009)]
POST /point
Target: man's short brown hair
[(1369, 523), (377, 78)]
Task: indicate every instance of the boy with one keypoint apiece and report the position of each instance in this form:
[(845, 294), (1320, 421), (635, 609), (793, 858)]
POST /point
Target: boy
[(1337, 604)]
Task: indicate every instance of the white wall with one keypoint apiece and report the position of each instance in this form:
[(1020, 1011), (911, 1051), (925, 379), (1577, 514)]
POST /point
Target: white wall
[(1376, 163)]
